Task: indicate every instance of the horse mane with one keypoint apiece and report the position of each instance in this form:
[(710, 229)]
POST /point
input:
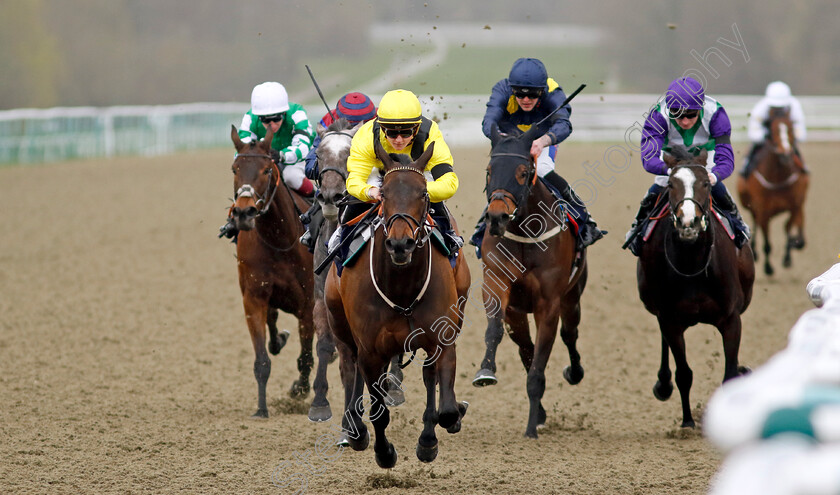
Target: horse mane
[(681, 156), (339, 125)]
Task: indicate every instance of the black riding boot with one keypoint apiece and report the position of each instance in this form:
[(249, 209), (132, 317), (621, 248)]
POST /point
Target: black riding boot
[(633, 239), (588, 231), (478, 234), (749, 162), (727, 205), (313, 219), (440, 215)]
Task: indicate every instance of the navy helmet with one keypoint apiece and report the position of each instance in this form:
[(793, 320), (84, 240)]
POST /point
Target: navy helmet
[(528, 73)]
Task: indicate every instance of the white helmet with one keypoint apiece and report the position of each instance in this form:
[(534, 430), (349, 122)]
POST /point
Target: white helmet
[(778, 94), (269, 98)]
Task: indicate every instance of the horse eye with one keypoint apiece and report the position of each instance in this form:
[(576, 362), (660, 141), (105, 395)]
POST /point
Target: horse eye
[(266, 171)]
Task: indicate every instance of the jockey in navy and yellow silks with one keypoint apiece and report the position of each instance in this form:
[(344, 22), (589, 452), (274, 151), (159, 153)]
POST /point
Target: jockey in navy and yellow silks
[(524, 98)]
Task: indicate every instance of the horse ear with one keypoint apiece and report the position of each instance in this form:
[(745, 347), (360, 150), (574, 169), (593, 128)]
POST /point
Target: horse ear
[(425, 157), (532, 133), (320, 130), (495, 135), (234, 136), (380, 153), (669, 160), (265, 144), (355, 129), (703, 157)]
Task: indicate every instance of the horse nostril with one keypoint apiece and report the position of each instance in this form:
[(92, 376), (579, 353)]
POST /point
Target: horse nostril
[(337, 197), (410, 244), (389, 244), (251, 211), (319, 197)]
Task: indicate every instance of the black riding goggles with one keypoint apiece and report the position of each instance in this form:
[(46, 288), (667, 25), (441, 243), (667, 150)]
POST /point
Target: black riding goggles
[(682, 113), (405, 132), (277, 117), (526, 92)]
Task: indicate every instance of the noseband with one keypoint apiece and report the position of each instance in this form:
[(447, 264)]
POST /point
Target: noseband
[(703, 221), (248, 191), (416, 225)]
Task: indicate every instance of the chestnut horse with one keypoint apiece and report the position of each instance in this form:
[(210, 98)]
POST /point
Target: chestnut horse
[(332, 155), (778, 184), (400, 295), (689, 272), (275, 270), (530, 266)]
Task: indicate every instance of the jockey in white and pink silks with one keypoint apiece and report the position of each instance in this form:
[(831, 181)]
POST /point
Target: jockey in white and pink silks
[(687, 118)]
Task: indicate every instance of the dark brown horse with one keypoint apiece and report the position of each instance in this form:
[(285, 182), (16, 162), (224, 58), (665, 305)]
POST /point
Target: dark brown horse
[(275, 270), (689, 272), (332, 155), (400, 295), (530, 266), (777, 184)]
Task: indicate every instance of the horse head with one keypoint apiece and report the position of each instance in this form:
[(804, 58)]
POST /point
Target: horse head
[(332, 162), (405, 202), (255, 179), (689, 193), (781, 135), (510, 175)]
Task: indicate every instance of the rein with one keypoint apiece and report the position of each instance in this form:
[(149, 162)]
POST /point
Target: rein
[(248, 191)]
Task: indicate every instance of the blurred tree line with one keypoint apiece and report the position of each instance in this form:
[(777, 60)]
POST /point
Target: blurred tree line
[(109, 52)]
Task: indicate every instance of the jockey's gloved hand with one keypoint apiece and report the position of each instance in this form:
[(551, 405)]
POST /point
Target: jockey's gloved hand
[(275, 155), (288, 157)]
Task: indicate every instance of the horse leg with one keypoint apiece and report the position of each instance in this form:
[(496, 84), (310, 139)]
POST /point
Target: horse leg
[(276, 340), (427, 444), (300, 387), (372, 369), (730, 331), (395, 395), (492, 338), (765, 230), (450, 411), (674, 335), (325, 348), (664, 387), (256, 312), (520, 333), (355, 431), (570, 312), (547, 321)]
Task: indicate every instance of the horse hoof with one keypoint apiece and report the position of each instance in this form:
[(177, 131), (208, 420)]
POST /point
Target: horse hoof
[(768, 270), (573, 375), (529, 433), (484, 378), (541, 416), (342, 440), (427, 454), (260, 414), (360, 444), (663, 391), (299, 390), (333, 357), (454, 428), (275, 345), (394, 397), (318, 414), (388, 459), (448, 419), (786, 263), (744, 370), (688, 424)]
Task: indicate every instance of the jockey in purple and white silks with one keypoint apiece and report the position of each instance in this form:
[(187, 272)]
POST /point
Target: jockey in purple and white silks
[(686, 118)]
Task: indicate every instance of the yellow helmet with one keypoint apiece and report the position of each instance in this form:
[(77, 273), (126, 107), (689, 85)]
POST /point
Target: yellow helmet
[(399, 106)]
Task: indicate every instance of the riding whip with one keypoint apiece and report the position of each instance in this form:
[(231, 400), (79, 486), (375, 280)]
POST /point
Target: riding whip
[(318, 89), (565, 102)]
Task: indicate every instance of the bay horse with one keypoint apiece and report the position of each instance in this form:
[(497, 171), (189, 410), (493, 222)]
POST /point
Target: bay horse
[(689, 271), (401, 294), (778, 184), (275, 270), (332, 154), (530, 266)]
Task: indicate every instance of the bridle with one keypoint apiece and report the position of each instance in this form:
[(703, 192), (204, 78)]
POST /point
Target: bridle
[(705, 223), (338, 171), (505, 195), (420, 229), (248, 191)]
